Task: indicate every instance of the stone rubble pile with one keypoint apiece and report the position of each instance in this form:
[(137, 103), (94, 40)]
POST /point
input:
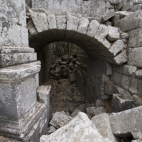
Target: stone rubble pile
[(66, 67), (124, 126)]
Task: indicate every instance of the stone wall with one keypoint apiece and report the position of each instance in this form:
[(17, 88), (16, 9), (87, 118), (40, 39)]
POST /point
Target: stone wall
[(87, 8)]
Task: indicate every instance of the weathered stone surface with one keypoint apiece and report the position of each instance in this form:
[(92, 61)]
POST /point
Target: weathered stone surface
[(121, 58), (114, 1), (50, 130), (102, 124), (121, 103), (40, 21), (60, 119), (16, 58), (18, 72), (137, 135), (31, 28), (136, 141), (108, 15), (128, 6), (83, 25), (131, 22), (137, 100), (123, 14), (99, 110), (125, 69), (79, 129), (135, 37), (138, 73), (61, 22), (52, 22), (117, 47), (90, 111), (93, 27), (113, 33), (135, 57), (125, 122), (72, 22), (75, 112)]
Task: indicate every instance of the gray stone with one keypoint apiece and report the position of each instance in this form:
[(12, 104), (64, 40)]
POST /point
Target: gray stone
[(90, 111), (78, 129), (40, 21), (93, 27), (135, 57), (121, 103), (121, 58), (138, 73), (52, 22), (115, 2), (61, 22), (60, 119), (137, 135), (108, 15), (102, 124), (31, 28), (113, 33), (50, 130), (135, 38), (131, 21), (123, 14), (117, 47), (75, 112), (136, 141), (124, 35), (137, 100), (99, 110), (83, 25), (125, 122), (99, 103), (136, 7), (128, 6)]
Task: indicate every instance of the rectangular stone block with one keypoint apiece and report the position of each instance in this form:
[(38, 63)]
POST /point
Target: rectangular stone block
[(125, 122), (135, 37), (135, 58), (121, 80), (16, 58)]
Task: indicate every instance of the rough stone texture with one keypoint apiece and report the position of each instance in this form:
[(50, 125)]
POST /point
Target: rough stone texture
[(52, 22), (40, 21), (136, 140), (50, 130), (117, 47), (125, 122), (135, 57), (79, 129), (113, 33), (137, 135), (131, 22), (60, 119), (102, 124), (108, 15), (135, 37), (83, 25), (93, 27), (121, 103)]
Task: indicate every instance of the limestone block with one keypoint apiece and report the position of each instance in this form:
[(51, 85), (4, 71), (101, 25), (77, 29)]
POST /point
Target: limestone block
[(121, 103), (139, 87), (123, 14), (133, 87), (31, 28), (75, 112), (61, 22), (117, 47), (99, 110), (60, 119), (135, 37), (125, 122), (136, 141), (72, 22), (108, 15), (16, 58), (121, 80), (93, 27), (11, 49), (83, 25), (102, 32), (121, 58), (40, 21), (90, 111), (109, 89), (135, 57), (52, 22), (102, 124), (128, 6), (16, 73), (78, 129), (136, 7), (50, 130), (16, 100), (113, 33), (137, 135), (131, 22), (125, 69), (124, 35)]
